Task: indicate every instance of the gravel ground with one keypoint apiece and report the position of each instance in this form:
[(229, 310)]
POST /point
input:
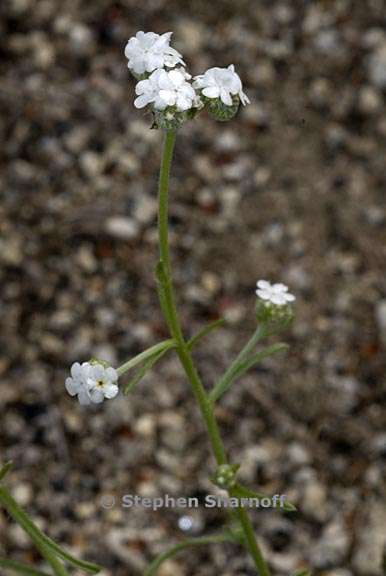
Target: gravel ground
[(293, 189)]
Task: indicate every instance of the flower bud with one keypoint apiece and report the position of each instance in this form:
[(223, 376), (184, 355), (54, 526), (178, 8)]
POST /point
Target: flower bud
[(225, 476)]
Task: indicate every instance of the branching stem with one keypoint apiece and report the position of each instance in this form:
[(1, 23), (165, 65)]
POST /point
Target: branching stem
[(169, 308)]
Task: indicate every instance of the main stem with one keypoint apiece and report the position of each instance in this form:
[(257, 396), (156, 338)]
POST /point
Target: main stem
[(204, 403)]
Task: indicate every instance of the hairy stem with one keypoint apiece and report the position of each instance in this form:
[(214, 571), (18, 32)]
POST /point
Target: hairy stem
[(182, 348)]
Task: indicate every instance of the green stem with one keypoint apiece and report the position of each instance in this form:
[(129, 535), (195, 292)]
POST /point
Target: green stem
[(182, 349)]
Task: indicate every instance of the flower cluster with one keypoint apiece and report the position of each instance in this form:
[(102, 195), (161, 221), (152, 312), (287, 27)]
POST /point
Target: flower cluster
[(170, 91), (92, 382)]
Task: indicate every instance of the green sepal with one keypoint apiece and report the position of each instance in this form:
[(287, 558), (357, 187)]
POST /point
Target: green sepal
[(275, 318), (95, 362), (220, 111)]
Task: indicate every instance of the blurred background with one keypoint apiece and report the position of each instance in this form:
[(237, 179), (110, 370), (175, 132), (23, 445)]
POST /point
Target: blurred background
[(292, 190)]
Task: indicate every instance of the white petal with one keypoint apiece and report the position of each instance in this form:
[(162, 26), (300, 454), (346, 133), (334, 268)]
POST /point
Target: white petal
[(72, 386), (154, 61), (278, 299), (143, 87), (211, 92), (89, 384), (166, 36), (110, 390), (290, 297), (183, 103), (160, 104), (142, 101), (129, 49), (198, 82), (97, 372), (277, 288), (111, 374), (140, 35), (263, 294), (76, 370), (96, 395), (163, 81), (137, 64), (168, 96), (264, 284), (176, 77), (226, 98), (147, 39), (84, 398)]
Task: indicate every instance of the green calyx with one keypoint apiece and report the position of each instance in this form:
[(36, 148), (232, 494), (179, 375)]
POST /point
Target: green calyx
[(274, 316), (171, 118), (96, 362), (220, 111)]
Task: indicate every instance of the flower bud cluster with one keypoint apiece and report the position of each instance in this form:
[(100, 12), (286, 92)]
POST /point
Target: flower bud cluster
[(225, 476), (173, 95)]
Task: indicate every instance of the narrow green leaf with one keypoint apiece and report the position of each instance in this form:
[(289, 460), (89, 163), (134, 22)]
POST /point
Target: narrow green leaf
[(205, 331), (143, 356), (239, 491), (57, 567), (5, 469), (38, 537), (146, 366), (302, 573), (259, 356), (191, 542), (20, 568), (240, 367)]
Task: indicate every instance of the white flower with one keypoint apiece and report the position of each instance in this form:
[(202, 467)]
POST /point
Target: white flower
[(221, 83), (147, 51), (275, 293), (165, 89), (92, 382)]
